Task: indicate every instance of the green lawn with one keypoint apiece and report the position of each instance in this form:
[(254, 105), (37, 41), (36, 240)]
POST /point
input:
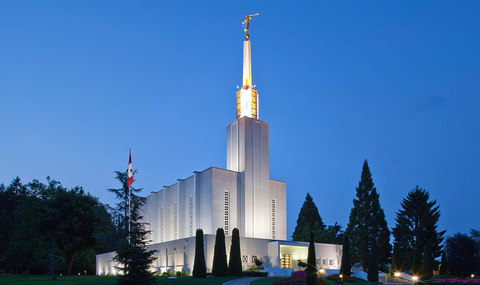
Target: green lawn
[(269, 281), (100, 280), (44, 280)]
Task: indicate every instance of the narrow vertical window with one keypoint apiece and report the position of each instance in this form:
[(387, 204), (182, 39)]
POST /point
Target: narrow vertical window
[(227, 212), (175, 220), (274, 202), (190, 215), (161, 224)]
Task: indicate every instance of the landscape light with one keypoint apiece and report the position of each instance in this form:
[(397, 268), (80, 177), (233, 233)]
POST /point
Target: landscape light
[(473, 275), (341, 275), (322, 271), (414, 278), (397, 274)]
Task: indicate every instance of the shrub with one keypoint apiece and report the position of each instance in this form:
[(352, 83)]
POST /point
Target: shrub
[(235, 265), (178, 273), (297, 280), (199, 267), (170, 272), (254, 274), (186, 273), (220, 268)]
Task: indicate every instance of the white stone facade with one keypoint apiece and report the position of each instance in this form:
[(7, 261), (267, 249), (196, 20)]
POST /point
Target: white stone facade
[(178, 255), (242, 196)]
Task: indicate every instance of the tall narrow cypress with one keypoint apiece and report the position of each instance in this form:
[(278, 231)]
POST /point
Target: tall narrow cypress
[(219, 268), (346, 267), (199, 267), (235, 265), (311, 271)]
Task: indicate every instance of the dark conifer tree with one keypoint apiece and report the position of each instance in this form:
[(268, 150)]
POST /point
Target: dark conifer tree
[(311, 271), (235, 264), (199, 267), (416, 227), (372, 274), (462, 254), (396, 263), (367, 227), (443, 264), (219, 268), (427, 266), (417, 263), (346, 267), (132, 254), (308, 220)]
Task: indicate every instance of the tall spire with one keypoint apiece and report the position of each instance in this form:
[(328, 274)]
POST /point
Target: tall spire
[(247, 64), (247, 97)]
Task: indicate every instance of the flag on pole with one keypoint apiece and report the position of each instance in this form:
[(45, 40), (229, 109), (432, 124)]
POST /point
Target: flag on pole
[(130, 171)]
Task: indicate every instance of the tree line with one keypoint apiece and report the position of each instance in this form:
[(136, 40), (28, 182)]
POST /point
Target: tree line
[(417, 244), (47, 228)]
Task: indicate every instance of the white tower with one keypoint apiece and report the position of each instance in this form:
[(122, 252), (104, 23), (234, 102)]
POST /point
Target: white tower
[(247, 153)]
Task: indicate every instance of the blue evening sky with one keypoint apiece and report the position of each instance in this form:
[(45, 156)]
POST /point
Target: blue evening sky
[(394, 82)]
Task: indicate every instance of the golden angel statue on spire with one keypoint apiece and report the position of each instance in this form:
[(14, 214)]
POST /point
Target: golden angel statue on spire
[(246, 23)]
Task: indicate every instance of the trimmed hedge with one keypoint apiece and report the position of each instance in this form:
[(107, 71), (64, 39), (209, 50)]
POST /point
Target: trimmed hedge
[(254, 274)]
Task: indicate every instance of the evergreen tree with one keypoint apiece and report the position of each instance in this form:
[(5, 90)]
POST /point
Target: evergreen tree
[(235, 265), (311, 271), (372, 274), (122, 204), (219, 268), (367, 227), (416, 264), (427, 266), (395, 261), (462, 255), (443, 264), (132, 255), (199, 267), (346, 267), (308, 220), (416, 227)]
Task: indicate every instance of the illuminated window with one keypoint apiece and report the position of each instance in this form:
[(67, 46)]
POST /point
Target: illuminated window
[(286, 261), (227, 212), (324, 262), (274, 202), (191, 215), (330, 262)]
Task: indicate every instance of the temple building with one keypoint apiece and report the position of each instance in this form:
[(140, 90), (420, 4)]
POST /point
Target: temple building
[(241, 196)]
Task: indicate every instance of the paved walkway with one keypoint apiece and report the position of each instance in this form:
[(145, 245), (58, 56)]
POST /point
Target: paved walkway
[(395, 281), (242, 281)]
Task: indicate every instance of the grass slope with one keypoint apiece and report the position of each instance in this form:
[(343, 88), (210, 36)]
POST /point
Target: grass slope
[(100, 280)]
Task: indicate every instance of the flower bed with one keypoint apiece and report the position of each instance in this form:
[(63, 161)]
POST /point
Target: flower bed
[(457, 281)]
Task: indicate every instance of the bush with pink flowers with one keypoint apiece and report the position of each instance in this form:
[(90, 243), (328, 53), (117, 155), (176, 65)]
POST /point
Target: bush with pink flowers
[(457, 281)]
